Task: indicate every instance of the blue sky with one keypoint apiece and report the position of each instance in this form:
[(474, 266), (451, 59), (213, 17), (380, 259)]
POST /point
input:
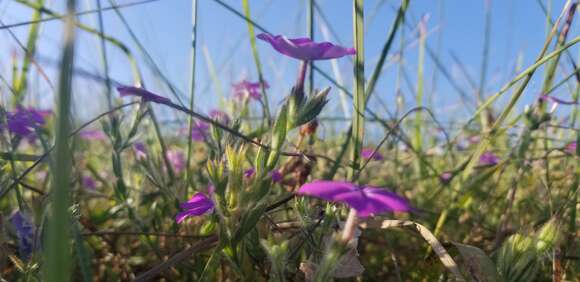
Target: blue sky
[(455, 26)]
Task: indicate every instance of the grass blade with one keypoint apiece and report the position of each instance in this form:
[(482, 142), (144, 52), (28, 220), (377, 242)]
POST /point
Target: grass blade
[(57, 261)]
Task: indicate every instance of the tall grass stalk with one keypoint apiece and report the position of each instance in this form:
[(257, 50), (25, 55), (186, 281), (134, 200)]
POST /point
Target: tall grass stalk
[(484, 62), (104, 57), (398, 23), (256, 56), (57, 260), (22, 81), (191, 86), (358, 118), (417, 138)]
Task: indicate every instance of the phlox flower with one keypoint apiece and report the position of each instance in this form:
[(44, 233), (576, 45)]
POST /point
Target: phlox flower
[(304, 48), (366, 200)]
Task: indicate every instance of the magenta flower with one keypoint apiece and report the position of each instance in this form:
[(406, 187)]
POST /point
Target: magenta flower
[(556, 100), (305, 49), (177, 160), (571, 148), (219, 116), (488, 158), (144, 94), (23, 121), (92, 134), (248, 90), (366, 200), (370, 154), (140, 151), (198, 205)]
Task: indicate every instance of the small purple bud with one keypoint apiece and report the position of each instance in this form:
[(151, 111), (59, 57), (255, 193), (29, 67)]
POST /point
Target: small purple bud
[(249, 173), (488, 158), (276, 176), (88, 182), (140, 151), (198, 205)]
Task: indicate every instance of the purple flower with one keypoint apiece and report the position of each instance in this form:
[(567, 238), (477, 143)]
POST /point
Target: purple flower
[(370, 154), (556, 100), (198, 205), (305, 49), (23, 121), (88, 182), (276, 176), (24, 232), (177, 160), (488, 158), (249, 173), (92, 134), (144, 94), (219, 116), (199, 131), (571, 148), (140, 151), (245, 89), (366, 200)]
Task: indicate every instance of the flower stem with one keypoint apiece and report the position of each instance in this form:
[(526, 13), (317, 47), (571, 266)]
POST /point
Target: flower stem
[(299, 88), (349, 227)]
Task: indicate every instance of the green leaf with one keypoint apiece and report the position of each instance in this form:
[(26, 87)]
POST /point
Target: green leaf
[(249, 221), (477, 264)]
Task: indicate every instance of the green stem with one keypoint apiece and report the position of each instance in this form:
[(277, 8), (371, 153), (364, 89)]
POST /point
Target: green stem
[(359, 100), (192, 86), (57, 261)]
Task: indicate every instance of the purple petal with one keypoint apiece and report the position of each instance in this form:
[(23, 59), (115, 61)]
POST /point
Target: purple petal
[(366, 201), (23, 121), (144, 94), (327, 190), (199, 204), (304, 48), (384, 201)]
